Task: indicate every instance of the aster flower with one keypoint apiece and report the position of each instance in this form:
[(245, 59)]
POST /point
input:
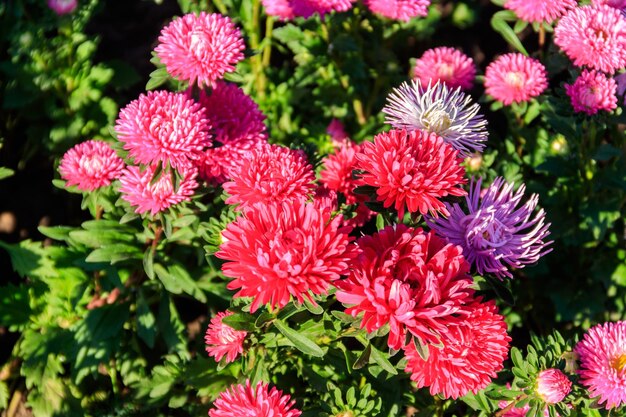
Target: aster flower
[(222, 340), (515, 78), (163, 127), (593, 36), (200, 48), (61, 7), (260, 401), (447, 65), (553, 385), (409, 279), (270, 173), (289, 9), (602, 354), (617, 4), (540, 10), (216, 164), (438, 109), (471, 353), (592, 91), (90, 165), (139, 189), (337, 132), (403, 10), (519, 411), (411, 169), (279, 250), (495, 232)]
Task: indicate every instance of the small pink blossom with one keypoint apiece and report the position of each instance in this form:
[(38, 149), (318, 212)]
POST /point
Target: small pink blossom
[(447, 65), (553, 385), (592, 91), (260, 401), (62, 7), (540, 10), (403, 10), (515, 78), (90, 165), (222, 340)]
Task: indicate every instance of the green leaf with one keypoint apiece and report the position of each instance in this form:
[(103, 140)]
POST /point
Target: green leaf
[(30, 259), (146, 323), (157, 78), (6, 172), (380, 222), (364, 358), (114, 253), (4, 395), (170, 327), (381, 359), (148, 262), (240, 321), (500, 25), (313, 308), (301, 342), (606, 152), (14, 306)]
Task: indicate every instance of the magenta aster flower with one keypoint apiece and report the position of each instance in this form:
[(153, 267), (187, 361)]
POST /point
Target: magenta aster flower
[(602, 354), (592, 91), (289, 9), (617, 4), (222, 340), (90, 165), (163, 127), (553, 385), (399, 9), (200, 48), (593, 36), (447, 65), (217, 163), (515, 78), (438, 109), (495, 232), (139, 189), (61, 7), (260, 401), (540, 10)]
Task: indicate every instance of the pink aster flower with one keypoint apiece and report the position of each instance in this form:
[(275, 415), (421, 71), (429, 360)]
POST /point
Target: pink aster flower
[(222, 340), (279, 250), (61, 7), (593, 36), (602, 354), (337, 133), (399, 9), (553, 385), (447, 65), (163, 127), (540, 10), (90, 165), (409, 279), (411, 169), (289, 9), (200, 48), (139, 189), (617, 4), (519, 412), (592, 91), (515, 78), (260, 401), (270, 173), (469, 356), (217, 163)]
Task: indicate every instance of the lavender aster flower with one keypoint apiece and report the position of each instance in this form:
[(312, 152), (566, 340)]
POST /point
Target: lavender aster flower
[(438, 109), (496, 232)]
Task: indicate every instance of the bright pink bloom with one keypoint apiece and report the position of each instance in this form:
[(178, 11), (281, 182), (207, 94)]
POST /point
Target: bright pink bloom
[(617, 4), (222, 340), (270, 173), (602, 354), (281, 250), (90, 165), (515, 78), (139, 189), (260, 401), (471, 353), (200, 48), (593, 36), (553, 385), (411, 280), (447, 65), (61, 7), (217, 163), (337, 133), (592, 91), (289, 9), (520, 412), (399, 9), (540, 10), (411, 169), (163, 127)]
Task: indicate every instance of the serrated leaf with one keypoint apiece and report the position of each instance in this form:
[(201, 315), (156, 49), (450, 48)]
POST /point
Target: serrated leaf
[(301, 342)]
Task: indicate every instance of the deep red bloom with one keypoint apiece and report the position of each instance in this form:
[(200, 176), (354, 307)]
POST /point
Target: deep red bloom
[(90, 165), (217, 163), (222, 340), (260, 401)]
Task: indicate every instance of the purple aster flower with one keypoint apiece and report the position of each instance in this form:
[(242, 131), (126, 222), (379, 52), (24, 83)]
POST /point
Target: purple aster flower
[(438, 109), (496, 233)]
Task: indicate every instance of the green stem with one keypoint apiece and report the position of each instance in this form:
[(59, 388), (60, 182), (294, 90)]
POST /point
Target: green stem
[(220, 6), (257, 64), (267, 48)]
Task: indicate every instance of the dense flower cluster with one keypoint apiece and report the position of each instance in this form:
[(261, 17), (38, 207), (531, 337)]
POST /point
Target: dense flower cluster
[(260, 401), (515, 78), (447, 65), (90, 165), (592, 91)]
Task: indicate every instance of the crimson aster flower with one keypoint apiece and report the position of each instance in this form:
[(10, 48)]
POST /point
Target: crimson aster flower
[(163, 127), (409, 279), (553, 385), (496, 232), (540, 10), (217, 163), (471, 353), (515, 78), (602, 354), (61, 7), (222, 340), (200, 48), (411, 170), (593, 36), (399, 9), (90, 165), (279, 250), (447, 65), (592, 91), (438, 109), (260, 401)]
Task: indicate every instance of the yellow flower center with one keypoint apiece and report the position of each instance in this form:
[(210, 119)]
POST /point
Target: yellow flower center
[(619, 363), (436, 120), (515, 79)]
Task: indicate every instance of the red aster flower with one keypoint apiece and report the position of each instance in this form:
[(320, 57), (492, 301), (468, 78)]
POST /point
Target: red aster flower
[(216, 164), (260, 401), (222, 340), (411, 169), (90, 165)]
